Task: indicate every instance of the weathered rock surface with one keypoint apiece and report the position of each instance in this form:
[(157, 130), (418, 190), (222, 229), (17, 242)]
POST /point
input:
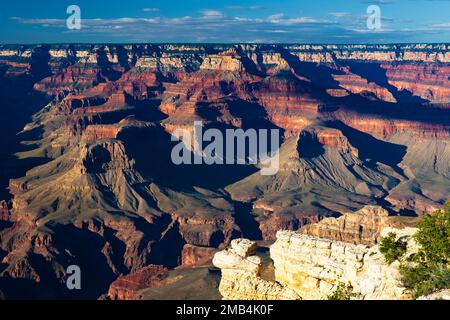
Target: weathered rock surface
[(129, 287), (313, 268), (241, 271), (361, 227), (194, 255), (441, 295)]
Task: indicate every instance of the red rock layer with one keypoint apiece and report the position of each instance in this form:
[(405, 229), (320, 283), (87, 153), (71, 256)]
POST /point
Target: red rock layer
[(97, 132), (429, 81), (357, 85), (79, 76), (382, 128), (115, 102), (196, 256), (128, 287)]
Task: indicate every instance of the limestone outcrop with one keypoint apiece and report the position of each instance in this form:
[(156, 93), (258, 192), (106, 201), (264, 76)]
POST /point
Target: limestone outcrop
[(241, 275), (312, 268), (361, 227)]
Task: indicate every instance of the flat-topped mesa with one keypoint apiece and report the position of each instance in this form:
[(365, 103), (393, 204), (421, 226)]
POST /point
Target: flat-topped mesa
[(428, 53), (269, 62), (116, 101), (97, 132), (327, 137), (77, 77), (96, 157), (170, 62), (241, 270), (223, 62), (361, 227)]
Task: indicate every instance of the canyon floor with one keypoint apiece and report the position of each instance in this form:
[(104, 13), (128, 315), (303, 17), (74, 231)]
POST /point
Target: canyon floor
[(87, 177)]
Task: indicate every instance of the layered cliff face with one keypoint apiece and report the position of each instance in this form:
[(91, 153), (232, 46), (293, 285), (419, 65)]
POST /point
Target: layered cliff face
[(361, 227), (358, 125), (241, 275), (312, 268)]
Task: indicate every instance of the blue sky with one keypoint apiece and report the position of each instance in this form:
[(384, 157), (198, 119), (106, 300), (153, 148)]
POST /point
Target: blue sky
[(256, 21)]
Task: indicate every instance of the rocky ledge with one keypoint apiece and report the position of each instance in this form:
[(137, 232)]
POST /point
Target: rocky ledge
[(310, 268)]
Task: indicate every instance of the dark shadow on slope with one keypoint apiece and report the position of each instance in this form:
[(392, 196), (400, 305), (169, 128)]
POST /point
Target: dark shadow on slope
[(105, 66), (74, 246), (369, 147), (373, 72), (147, 110), (26, 289), (152, 149), (122, 56), (40, 59), (19, 103), (86, 248), (308, 146), (246, 221), (320, 75), (407, 213), (167, 251), (249, 65), (412, 112), (253, 115)]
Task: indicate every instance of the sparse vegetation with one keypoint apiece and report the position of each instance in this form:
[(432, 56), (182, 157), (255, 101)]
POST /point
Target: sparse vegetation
[(392, 248), (343, 292)]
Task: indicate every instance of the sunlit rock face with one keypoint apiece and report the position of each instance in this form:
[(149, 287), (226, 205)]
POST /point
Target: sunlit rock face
[(241, 275), (361, 227), (314, 267), (311, 268)]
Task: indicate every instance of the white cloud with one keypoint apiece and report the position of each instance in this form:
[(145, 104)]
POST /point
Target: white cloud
[(245, 7), (207, 13), (339, 14), (441, 25), (214, 25), (151, 9), (276, 16)]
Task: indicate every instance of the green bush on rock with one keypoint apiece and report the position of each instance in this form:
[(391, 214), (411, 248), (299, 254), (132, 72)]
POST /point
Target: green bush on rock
[(343, 292), (391, 248), (429, 270)]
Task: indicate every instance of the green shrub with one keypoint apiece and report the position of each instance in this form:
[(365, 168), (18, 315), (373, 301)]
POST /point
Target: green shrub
[(422, 280), (343, 292), (434, 236), (428, 270), (391, 248)]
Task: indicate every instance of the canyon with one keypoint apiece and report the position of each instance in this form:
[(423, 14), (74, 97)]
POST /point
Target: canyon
[(87, 177)]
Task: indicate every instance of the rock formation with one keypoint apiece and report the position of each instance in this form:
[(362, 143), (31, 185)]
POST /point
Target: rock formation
[(362, 227), (313, 268), (241, 275), (128, 287)]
